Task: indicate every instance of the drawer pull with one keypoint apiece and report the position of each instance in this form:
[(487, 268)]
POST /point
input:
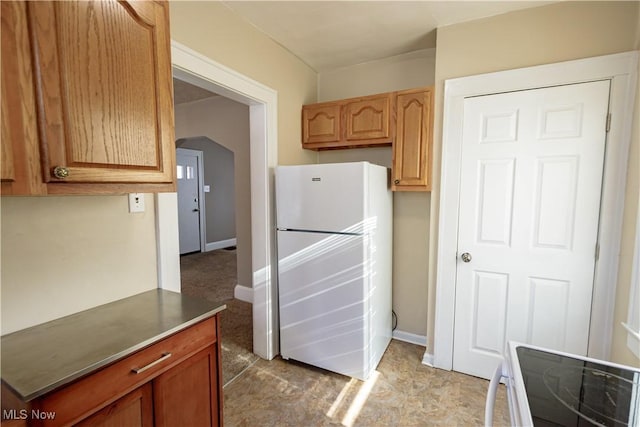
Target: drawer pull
[(164, 357)]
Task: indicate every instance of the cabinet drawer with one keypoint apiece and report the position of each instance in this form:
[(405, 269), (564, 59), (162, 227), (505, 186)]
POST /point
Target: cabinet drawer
[(89, 394)]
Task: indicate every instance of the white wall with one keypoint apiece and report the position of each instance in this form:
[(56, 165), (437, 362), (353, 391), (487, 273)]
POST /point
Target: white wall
[(410, 209)]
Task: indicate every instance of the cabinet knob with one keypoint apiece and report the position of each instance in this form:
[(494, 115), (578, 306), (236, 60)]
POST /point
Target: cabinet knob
[(396, 182), (60, 172)]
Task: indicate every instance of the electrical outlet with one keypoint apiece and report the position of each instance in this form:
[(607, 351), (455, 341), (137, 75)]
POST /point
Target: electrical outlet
[(136, 202)]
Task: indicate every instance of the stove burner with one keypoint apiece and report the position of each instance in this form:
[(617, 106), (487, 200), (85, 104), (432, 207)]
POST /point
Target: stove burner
[(597, 396)]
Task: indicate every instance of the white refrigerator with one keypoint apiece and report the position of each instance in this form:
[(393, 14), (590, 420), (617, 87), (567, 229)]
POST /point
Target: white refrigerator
[(334, 265)]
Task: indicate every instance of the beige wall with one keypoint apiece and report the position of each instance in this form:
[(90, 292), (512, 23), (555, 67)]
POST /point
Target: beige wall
[(410, 209), (227, 123), (399, 72), (61, 255), (547, 34), (64, 254), (213, 30)]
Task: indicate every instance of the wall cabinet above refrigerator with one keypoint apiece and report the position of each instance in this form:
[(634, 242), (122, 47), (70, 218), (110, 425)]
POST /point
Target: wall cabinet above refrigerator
[(402, 120), (355, 122)]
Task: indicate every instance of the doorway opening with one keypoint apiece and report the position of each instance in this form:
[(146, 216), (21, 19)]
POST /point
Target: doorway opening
[(205, 73)]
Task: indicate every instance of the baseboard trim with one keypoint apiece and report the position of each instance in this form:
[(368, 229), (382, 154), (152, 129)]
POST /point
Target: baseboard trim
[(427, 359), (410, 338), (243, 293), (220, 244)]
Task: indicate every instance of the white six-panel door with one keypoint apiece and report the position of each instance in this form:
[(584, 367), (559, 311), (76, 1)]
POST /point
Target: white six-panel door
[(531, 179)]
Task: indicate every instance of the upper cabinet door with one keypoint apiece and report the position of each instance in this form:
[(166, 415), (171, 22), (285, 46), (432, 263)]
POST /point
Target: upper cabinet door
[(321, 123), (369, 119), (412, 146), (104, 91), (20, 169)]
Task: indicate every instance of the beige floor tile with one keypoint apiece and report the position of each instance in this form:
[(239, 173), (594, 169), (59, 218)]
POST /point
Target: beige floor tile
[(402, 392)]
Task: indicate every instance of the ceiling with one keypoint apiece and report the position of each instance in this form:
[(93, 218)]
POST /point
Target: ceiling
[(333, 34), (186, 92)]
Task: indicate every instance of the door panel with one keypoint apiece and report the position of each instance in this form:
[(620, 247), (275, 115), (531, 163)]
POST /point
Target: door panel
[(532, 166), (489, 311), (495, 201), (188, 201)]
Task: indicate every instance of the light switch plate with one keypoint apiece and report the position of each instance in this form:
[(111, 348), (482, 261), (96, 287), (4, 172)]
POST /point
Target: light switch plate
[(136, 202), (207, 189)]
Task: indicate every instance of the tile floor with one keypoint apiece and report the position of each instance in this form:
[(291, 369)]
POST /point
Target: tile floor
[(402, 392)]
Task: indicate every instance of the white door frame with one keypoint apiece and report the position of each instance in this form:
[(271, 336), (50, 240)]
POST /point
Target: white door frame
[(621, 69), (192, 67), (202, 212)]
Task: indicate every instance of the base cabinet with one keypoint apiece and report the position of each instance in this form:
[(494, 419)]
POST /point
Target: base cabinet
[(133, 410), (173, 382), (184, 395)]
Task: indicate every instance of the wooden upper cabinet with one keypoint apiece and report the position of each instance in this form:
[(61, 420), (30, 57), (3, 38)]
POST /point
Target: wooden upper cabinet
[(20, 158), (368, 118), (104, 91), (412, 147), (320, 123), (401, 119), (356, 122)]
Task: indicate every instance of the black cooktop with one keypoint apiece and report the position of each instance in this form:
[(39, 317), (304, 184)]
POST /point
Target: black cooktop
[(567, 391)]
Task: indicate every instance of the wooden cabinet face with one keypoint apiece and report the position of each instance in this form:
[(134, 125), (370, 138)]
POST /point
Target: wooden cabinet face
[(20, 160), (188, 393), (320, 123), (104, 89), (134, 410), (368, 118), (412, 147)]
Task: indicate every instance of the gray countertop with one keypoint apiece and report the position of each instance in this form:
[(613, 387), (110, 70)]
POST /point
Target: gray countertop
[(44, 357)]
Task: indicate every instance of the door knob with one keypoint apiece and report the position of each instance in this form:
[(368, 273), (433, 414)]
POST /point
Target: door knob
[(466, 257), (196, 210)]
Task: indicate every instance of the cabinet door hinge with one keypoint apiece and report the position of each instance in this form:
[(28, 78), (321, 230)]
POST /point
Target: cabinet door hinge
[(597, 251), (608, 122)]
